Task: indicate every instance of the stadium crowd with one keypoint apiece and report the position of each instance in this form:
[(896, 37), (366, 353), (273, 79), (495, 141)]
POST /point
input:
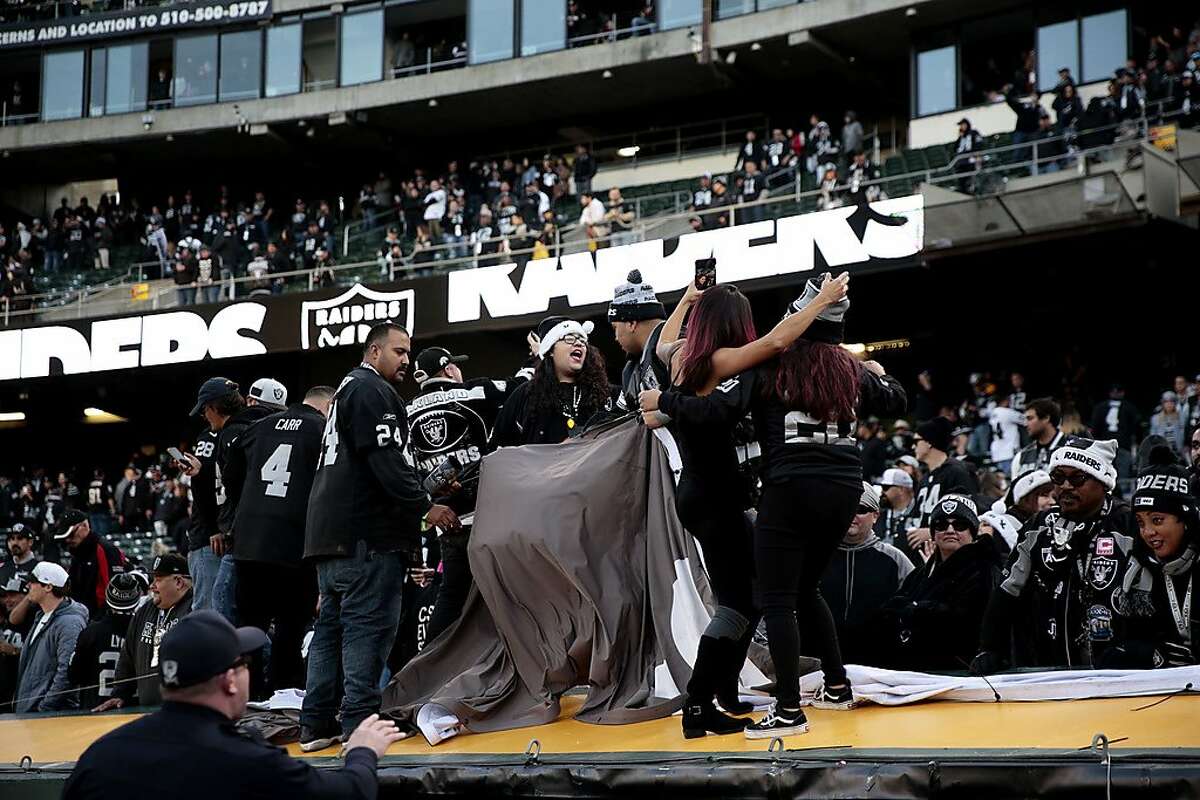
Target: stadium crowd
[(954, 530)]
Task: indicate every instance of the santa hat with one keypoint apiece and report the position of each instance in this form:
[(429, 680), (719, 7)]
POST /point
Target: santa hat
[(1088, 455), (634, 301), (552, 329), (830, 324)]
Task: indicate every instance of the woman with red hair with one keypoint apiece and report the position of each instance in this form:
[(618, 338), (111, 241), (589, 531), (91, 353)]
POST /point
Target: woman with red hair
[(805, 407), (711, 498)]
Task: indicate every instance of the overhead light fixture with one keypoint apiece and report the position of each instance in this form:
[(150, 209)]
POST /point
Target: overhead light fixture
[(731, 57), (170, 137), (98, 416), (433, 102), (606, 74), (630, 151), (12, 416), (911, 11), (756, 46)]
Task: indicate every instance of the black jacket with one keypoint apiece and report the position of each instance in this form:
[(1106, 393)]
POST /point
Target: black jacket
[(1070, 592), (277, 459), (456, 419), (932, 624), (93, 563), (519, 424), (97, 651), (203, 523), (365, 487), (135, 500), (1034, 456), (195, 752), (138, 651), (230, 472), (1161, 642), (858, 581)]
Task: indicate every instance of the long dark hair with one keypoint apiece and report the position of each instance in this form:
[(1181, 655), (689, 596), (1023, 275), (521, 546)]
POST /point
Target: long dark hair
[(592, 382), (819, 379), (722, 318)]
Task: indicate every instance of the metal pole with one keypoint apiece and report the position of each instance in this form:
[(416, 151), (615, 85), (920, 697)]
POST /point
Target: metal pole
[(1035, 158)]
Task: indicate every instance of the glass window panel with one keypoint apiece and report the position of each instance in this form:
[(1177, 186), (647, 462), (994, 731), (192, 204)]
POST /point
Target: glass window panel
[(543, 26), (96, 89), (1057, 47), (678, 13), (489, 30), (763, 5), (62, 85), (241, 65), (195, 70), (935, 81), (127, 79), (362, 48), (733, 8), (283, 60), (1105, 41)]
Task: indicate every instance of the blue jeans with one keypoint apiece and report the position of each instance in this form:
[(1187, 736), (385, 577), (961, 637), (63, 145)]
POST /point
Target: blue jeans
[(356, 626), (187, 295), (225, 588), (101, 523), (203, 564)]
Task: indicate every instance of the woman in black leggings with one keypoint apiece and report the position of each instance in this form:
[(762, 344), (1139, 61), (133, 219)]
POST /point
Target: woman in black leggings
[(812, 481), (711, 499)]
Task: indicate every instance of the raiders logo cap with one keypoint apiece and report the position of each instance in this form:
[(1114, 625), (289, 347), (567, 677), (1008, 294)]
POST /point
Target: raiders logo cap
[(202, 645), (433, 360)]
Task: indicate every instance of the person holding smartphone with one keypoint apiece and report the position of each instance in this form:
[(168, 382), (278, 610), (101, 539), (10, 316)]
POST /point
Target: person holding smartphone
[(710, 373)]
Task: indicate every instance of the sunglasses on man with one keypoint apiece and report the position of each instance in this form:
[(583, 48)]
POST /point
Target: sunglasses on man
[(1075, 479), (864, 510)]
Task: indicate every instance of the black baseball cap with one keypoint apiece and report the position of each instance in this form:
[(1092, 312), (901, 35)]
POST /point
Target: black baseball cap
[(67, 522), (170, 564), (19, 529), (433, 360), (212, 389), (201, 645)]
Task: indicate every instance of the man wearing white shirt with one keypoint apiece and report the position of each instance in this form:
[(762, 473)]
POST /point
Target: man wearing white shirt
[(1006, 425), (435, 209), (592, 218)]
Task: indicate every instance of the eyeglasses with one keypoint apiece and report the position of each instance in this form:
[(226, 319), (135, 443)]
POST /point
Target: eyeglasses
[(865, 510), (957, 524), (573, 339), (1075, 479)]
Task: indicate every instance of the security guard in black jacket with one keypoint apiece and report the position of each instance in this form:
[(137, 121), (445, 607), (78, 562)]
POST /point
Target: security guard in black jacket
[(453, 419), (277, 457), (191, 747)]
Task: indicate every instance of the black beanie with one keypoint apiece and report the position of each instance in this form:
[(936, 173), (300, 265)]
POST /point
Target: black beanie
[(958, 507), (634, 301), (1163, 485), (938, 432)]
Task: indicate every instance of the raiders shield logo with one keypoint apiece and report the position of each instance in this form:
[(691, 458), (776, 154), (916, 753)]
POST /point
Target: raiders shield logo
[(949, 506), (1104, 572), (346, 319), (434, 431)]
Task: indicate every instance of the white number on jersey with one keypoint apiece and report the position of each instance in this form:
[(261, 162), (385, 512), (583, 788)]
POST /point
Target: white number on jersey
[(275, 471), (108, 660), (383, 433), (329, 442), (218, 485), (95, 496), (204, 448)]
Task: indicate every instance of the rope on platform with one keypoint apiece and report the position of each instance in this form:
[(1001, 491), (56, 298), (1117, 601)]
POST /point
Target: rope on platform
[(13, 703)]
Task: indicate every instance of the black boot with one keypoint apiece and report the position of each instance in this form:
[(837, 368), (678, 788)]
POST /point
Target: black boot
[(733, 657), (699, 714), (702, 718)]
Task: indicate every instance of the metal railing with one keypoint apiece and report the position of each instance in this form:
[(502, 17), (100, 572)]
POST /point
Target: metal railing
[(428, 66), (572, 238), (613, 34)]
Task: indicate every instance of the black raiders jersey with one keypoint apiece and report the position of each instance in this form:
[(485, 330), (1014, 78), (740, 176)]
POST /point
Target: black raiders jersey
[(455, 419)]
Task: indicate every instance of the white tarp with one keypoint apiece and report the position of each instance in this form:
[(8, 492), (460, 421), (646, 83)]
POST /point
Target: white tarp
[(892, 688)]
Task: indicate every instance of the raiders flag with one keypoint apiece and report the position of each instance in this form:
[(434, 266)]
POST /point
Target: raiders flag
[(590, 580)]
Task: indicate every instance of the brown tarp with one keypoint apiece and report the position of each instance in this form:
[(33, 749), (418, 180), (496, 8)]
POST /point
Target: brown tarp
[(584, 577)]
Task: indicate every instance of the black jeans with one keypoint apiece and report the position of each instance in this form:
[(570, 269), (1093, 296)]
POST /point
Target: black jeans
[(799, 526), (455, 586), (284, 595), (720, 529)]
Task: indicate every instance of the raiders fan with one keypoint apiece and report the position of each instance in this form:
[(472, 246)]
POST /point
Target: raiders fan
[(452, 418), (278, 458), (364, 517), (637, 319), (98, 649), (200, 466), (568, 388), (12, 637), (946, 476), (1065, 600), (137, 667), (20, 559), (1042, 418)]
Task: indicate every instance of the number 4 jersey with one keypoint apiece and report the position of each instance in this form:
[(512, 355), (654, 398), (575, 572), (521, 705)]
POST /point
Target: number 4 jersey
[(280, 454)]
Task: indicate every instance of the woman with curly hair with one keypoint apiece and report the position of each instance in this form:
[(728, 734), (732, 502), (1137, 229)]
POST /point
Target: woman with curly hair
[(712, 497), (569, 387)]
